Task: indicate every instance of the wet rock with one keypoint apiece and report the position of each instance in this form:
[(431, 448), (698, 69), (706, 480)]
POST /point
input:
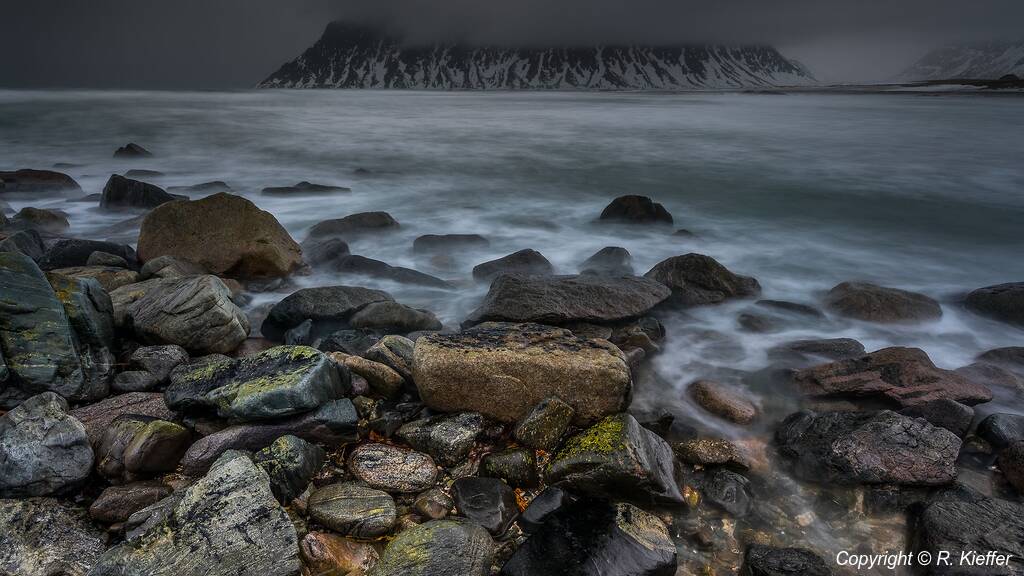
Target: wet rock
[(526, 261), (354, 225), (329, 307), (433, 504), (132, 150), (195, 313), (1001, 430), (393, 351), (224, 234), (905, 376), (304, 188), (353, 510), (712, 452), (109, 278), (872, 303), (351, 342), (323, 251), (1010, 357), (105, 259), (723, 402), (1001, 381), (868, 448), (1011, 462), (517, 466), (487, 501), (968, 525), (381, 379), (190, 382), (169, 267), (726, 490), (435, 243), (607, 539), (291, 463), (91, 314), (438, 548), (121, 193), (1003, 302), (142, 173), (636, 210), (326, 554), (40, 219), (134, 381), (544, 426), (204, 188), (697, 280), (117, 503), (617, 458), (948, 414), (97, 418), (550, 500), (769, 561), (36, 182), (504, 370), (27, 242), (564, 299), (448, 439), (363, 266), (138, 446), (158, 360), (279, 382), (43, 450), (393, 317), (612, 260), (227, 523), (72, 252), (801, 353), (391, 468), (43, 537), (333, 424)]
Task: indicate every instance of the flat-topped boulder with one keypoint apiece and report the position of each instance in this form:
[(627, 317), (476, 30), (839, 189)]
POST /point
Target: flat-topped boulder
[(1003, 302), (503, 370), (121, 193), (437, 243), (363, 266), (354, 225), (41, 219), (36, 181), (873, 303), (522, 262), (304, 188), (635, 209), (903, 376), (224, 234), (329, 307), (696, 279), (564, 299)]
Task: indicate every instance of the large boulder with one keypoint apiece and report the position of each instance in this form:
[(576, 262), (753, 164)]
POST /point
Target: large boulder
[(121, 192), (91, 315), (44, 537), (47, 221), (354, 225), (868, 448), (611, 260), (973, 526), (873, 303), (196, 313), (1004, 302), (71, 252), (594, 537), (521, 262), (438, 548), (636, 210), (504, 370), (903, 376), (329, 307), (43, 450), (224, 234), (28, 181), (227, 523), (696, 279), (564, 299), (617, 458)]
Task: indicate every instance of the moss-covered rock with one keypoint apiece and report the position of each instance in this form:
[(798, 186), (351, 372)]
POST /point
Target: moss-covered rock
[(438, 548), (291, 463), (135, 447), (353, 509)]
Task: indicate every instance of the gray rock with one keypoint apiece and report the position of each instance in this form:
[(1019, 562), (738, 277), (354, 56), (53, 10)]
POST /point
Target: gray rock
[(363, 266), (872, 303), (802, 353), (169, 267), (544, 426), (635, 210), (43, 537), (971, 525), (52, 221), (395, 352), (319, 252), (611, 260), (43, 450), (447, 438), (770, 561), (227, 523), (726, 490), (354, 225), (91, 315), (353, 510), (291, 463), (121, 193), (27, 242), (438, 548), (72, 252), (447, 243), (352, 342), (304, 188), (134, 381), (136, 447), (158, 360), (391, 468), (132, 150), (1001, 430), (394, 318), (696, 279), (487, 501), (329, 307), (1003, 302), (1010, 357), (527, 261), (99, 258)]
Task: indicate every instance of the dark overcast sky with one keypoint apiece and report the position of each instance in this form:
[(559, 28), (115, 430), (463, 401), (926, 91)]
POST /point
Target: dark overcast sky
[(205, 44)]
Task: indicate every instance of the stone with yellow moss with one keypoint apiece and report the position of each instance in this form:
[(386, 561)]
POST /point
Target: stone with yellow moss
[(447, 547)]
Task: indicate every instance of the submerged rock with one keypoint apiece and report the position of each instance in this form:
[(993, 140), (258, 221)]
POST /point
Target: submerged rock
[(353, 510), (132, 150), (438, 548), (40, 219), (769, 561), (44, 537), (636, 210), (304, 188), (354, 225), (1003, 302), (446, 243), (395, 318), (391, 468), (503, 370), (329, 307), (291, 463), (873, 303), (36, 182), (121, 192), (723, 402), (363, 266), (527, 261), (696, 280), (801, 353)]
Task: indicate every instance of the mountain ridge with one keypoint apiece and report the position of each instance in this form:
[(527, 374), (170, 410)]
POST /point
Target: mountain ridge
[(978, 61)]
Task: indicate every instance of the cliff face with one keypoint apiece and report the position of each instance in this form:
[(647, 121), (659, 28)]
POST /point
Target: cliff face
[(349, 56)]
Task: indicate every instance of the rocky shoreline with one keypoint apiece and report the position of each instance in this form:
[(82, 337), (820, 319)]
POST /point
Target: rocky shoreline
[(153, 420)]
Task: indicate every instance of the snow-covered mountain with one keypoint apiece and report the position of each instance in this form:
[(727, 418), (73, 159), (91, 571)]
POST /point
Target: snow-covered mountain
[(987, 61), (348, 56)]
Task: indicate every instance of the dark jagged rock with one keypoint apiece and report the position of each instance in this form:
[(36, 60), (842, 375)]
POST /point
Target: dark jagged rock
[(447, 547), (47, 221), (27, 242), (517, 466), (596, 538), (612, 261), (636, 210), (1001, 430), (447, 438), (363, 266), (329, 307), (522, 262), (971, 525), (353, 510), (904, 376), (118, 503), (1004, 302), (549, 501), (801, 353), (132, 150), (143, 173), (291, 463), (435, 243), (487, 501), (770, 561), (944, 413), (333, 424), (43, 450), (98, 417), (503, 370), (868, 448), (135, 447), (227, 523), (873, 303), (71, 252), (726, 490), (323, 251), (304, 188), (36, 182), (1010, 357), (564, 299), (394, 317), (696, 280), (544, 426), (617, 458), (45, 537), (354, 225), (391, 468), (122, 193)]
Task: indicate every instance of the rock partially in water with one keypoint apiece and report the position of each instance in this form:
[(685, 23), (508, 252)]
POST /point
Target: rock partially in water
[(566, 299), (1003, 302), (47, 221), (803, 353), (636, 210), (322, 252), (611, 260), (447, 438), (394, 318), (487, 501), (352, 509), (447, 243), (504, 370), (528, 262), (72, 252), (1000, 429), (544, 426), (27, 242), (727, 490), (905, 376), (607, 539), (438, 548), (28, 181), (868, 448), (132, 150), (1011, 462), (203, 188), (723, 402), (391, 468), (972, 525), (363, 266), (696, 280), (291, 463), (873, 303), (770, 561), (1010, 357), (44, 537), (619, 459), (304, 188), (326, 554), (226, 524), (354, 225), (224, 234), (329, 307), (98, 417), (117, 503), (125, 193), (43, 450), (136, 447)]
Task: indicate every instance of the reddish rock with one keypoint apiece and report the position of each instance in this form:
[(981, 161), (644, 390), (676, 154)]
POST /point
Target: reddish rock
[(97, 417)]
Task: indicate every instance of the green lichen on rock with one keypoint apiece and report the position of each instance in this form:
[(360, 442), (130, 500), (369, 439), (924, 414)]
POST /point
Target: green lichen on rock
[(605, 437)]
